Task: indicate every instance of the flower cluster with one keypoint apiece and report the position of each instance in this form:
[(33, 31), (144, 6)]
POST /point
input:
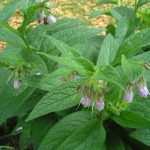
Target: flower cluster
[(47, 19), (45, 13), (71, 76), (93, 95), (142, 90)]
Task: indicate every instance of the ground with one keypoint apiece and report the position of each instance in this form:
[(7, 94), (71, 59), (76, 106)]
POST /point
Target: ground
[(73, 9)]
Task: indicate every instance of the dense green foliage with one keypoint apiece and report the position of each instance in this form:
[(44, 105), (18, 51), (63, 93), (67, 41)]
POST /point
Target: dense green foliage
[(64, 85)]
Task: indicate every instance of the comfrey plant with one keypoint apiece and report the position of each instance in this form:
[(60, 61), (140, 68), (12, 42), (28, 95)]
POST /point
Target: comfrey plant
[(65, 86)]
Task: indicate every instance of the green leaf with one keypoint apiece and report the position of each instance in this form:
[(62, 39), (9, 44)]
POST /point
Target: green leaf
[(142, 2), (91, 136), (133, 44), (29, 103), (44, 124), (140, 107), (90, 48), (49, 81), (63, 48), (80, 64), (8, 11), (60, 98), (131, 119), (144, 57), (38, 63), (142, 136), (34, 35), (12, 55), (97, 13), (122, 11), (126, 28), (11, 37), (65, 23), (108, 51), (12, 99), (132, 70), (107, 2), (62, 130), (110, 74)]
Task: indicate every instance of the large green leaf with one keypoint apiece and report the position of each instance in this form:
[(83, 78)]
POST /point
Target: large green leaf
[(11, 37), (142, 136), (142, 2), (133, 44), (65, 23), (140, 107), (40, 127), (107, 2), (90, 48), (35, 33), (12, 99), (108, 51), (144, 57), (122, 11), (38, 63), (70, 37), (132, 120), (91, 136), (8, 11), (126, 28), (80, 64), (12, 55), (49, 81), (60, 98), (110, 74), (61, 131), (132, 70), (63, 48)]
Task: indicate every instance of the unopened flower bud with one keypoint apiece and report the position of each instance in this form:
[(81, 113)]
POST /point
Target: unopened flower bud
[(85, 101), (100, 105), (16, 83), (128, 96), (143, 90)]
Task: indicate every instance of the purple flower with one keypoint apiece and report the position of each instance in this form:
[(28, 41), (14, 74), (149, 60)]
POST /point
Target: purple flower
[(143, 90), (53, 19), (41, 17), (16, 83), (85, 101), (100, 105), (128, 96), (49, 19)]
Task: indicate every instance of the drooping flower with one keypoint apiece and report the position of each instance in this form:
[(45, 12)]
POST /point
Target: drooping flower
[(100, 104), (143, 91), (16, 83), (85, 101), (41, 17), (128, 95), (49, 19)]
